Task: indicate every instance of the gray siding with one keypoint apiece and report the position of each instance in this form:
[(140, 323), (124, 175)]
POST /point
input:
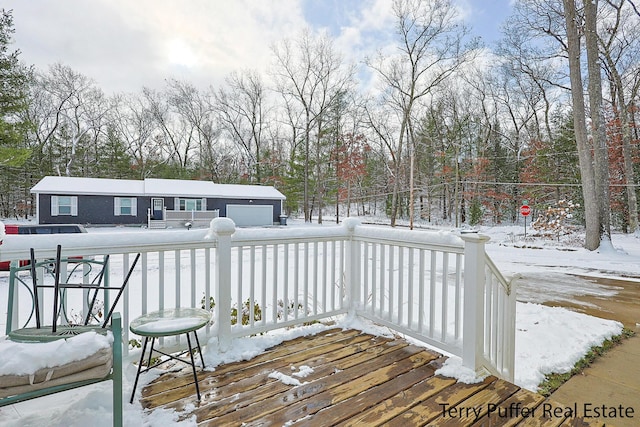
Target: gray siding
[(93, 210)]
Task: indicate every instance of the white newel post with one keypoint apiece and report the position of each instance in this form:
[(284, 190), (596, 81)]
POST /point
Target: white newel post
[(221, 230), (474, 284), (352, 266)]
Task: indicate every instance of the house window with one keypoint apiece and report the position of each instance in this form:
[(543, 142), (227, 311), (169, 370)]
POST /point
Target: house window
[(125, 206), (64, 205), (190, 204)]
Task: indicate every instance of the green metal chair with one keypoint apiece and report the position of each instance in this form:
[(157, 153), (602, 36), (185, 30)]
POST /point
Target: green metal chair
[(56, 278)]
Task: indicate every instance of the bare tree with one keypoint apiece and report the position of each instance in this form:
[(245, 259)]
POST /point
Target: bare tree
[(135, 126), (620, 47), (243, 111), (66, 107), (312, 75), (195, 112), (177, 135), (592, 238), (431, 50), (532, 67)]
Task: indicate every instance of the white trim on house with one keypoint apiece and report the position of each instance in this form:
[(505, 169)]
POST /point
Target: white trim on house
[(55, 206), (118, 205)]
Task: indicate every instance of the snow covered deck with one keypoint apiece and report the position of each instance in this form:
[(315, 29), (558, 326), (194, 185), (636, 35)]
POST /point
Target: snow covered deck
[(346, 377)]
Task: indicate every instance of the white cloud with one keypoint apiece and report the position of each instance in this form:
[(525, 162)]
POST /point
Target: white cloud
[(125, 45)]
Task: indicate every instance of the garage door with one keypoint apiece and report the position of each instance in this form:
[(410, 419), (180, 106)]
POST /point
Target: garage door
[(250, 215)]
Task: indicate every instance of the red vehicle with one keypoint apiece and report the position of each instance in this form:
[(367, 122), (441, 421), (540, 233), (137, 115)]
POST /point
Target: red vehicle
[(38, 229)]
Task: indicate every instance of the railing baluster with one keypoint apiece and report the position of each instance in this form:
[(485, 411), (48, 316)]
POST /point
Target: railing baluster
[(421, 297), (208, 281), (383, 266), (374, 277), (392, 282), (410, 283), (176, 264), (144, 291), (341, 280), (445, 296), (432, 293), (240, 286), (252, 289), (365, 275), (333, 284), (457, 298), (161, 280), (296, 279), (192, 266), (315, 278), (263, 298), (400, 279), (275, 250), (286, 273)]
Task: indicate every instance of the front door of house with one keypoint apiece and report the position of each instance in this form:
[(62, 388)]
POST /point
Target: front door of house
[(157, 208)]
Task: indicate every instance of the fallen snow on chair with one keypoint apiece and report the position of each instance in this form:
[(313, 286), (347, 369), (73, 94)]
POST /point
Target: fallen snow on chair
[(27, 358)]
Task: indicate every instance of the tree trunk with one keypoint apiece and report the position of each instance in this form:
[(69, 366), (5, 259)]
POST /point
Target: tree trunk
[(632, 200), (599, 135), (592, 238), (307, 136), (622, 111)]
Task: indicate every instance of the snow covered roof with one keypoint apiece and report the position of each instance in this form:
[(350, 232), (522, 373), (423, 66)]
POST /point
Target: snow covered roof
[(152, 187), (77, 185)]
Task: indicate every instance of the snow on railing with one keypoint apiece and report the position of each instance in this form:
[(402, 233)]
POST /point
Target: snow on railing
[(434, 286)]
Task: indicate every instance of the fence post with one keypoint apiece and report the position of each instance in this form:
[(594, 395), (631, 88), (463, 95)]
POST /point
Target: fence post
[(222, 229), (352, 266), (474, 289)]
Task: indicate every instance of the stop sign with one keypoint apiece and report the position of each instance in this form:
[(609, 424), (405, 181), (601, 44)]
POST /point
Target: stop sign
[(525, 210)]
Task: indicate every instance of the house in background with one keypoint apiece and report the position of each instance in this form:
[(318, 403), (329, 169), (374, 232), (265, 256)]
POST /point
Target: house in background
[(156, 203)]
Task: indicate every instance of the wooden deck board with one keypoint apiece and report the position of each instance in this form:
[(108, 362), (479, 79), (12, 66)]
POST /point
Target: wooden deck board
[(356, 379)]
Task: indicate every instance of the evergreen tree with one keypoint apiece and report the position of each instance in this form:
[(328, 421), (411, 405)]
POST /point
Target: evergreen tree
[(14, 85), (14, 80)]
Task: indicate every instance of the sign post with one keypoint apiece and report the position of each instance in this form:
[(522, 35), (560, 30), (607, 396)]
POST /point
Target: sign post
[(525, 211)]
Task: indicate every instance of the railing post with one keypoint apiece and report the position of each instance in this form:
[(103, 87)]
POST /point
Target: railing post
[(474, 289), (352, 266), (222, 229)]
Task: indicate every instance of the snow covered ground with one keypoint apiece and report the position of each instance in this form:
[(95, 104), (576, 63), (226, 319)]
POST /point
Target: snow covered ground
[(548, 339)]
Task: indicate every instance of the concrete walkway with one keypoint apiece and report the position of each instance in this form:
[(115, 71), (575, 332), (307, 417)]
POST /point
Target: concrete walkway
[(613, 380)]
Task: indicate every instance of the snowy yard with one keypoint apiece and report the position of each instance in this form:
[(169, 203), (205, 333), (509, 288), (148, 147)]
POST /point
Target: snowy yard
[(548, 339)]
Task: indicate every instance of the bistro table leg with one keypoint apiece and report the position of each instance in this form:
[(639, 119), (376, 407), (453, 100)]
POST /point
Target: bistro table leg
[(135, 384), (193, 365), (199, 348), (153, 341)]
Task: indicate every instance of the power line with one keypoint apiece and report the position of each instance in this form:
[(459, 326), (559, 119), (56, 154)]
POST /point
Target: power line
[(539, 184)]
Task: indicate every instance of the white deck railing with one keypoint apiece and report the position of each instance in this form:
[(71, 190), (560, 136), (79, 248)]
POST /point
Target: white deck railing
[(436, 287)]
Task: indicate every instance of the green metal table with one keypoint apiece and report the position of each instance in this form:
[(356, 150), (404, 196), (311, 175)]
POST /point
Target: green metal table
[(166, 323)]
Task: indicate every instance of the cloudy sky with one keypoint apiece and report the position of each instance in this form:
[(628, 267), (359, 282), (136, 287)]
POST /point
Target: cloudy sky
[(127, 44)]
